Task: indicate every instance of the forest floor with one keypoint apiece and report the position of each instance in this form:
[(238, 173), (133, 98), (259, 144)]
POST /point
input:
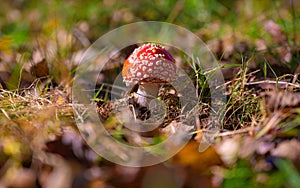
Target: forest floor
[(256, 46)]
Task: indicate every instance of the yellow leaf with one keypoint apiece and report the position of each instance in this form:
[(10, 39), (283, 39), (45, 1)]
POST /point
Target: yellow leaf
[(6, 43), (200, 161), (60, 100), (11, 147)]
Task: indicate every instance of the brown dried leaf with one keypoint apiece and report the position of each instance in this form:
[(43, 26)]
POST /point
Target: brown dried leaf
[(40, 67), (19, 177), (247, 147), (289, 149), (280, 39), (264, 147), (228, 150), (275, 31), (275, 101)]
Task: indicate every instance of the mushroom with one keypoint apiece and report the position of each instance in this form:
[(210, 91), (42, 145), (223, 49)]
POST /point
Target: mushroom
[(150, 65)]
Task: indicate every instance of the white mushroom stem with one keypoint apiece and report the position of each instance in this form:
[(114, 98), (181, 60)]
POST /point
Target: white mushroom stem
[(146, 93)]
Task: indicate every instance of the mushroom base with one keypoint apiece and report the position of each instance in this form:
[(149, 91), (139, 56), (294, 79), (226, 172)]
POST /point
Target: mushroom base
[(146, 93)]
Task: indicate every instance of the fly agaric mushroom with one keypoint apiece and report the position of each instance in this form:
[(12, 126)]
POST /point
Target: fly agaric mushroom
[(150, 65)]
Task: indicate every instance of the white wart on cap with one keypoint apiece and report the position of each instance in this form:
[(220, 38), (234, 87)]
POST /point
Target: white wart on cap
[(150, 63)]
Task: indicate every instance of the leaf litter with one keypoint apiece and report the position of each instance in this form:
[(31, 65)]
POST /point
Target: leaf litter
[(258, 143)]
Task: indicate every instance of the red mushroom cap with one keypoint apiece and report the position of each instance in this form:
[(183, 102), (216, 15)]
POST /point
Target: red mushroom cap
[(149, 63)]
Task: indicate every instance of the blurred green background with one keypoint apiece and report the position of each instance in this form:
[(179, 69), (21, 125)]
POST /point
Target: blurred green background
[(22, 21)]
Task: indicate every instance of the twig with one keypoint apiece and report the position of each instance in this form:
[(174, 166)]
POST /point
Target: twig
[(5, 114), (81, 38), (273, 82), (231, 81), (133, 111), (295, 77), (240, 131), (228, 133)]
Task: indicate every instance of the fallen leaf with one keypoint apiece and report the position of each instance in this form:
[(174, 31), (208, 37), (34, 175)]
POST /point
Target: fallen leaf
[(275, 31), (289, 149), (264, 147), (280, 38), (247, 147), (228, 150), (278, 100), (189, 156)]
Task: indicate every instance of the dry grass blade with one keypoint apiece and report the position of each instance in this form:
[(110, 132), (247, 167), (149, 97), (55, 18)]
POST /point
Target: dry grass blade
[(271, 123), (278, 107), (242, 103)]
